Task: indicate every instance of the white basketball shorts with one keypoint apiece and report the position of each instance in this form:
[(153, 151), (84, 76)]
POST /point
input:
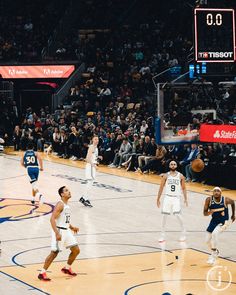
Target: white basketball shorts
[(171, 205), (68, 240)]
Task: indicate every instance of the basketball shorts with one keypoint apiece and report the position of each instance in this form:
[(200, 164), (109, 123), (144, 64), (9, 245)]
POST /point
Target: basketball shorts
[(90, 172), (214, 223), (68, 240), (33, 173), (171, 205)]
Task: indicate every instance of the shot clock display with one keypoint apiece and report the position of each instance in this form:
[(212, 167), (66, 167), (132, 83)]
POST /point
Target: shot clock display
[(214, 35)]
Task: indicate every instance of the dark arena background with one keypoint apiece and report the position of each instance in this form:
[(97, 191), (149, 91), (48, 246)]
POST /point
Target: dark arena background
[(155, 81)]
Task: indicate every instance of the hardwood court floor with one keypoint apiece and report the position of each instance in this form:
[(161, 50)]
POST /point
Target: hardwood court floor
[(120, 253)]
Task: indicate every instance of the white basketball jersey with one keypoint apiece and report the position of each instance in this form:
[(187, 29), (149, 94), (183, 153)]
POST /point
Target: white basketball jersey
[(173, 185), (64, 218), (95, 156)]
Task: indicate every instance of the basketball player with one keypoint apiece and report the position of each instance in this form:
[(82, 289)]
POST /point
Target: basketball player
[(174, 184), (217, 207), (61, 235), (90, 169), (31, 161)]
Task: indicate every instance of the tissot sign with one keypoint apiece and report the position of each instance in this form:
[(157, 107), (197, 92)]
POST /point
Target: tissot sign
[(218, 133), (43, 71)]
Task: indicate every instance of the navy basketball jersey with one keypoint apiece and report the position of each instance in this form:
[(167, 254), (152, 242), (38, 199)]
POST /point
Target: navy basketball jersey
[(30, 159), (223, 213)]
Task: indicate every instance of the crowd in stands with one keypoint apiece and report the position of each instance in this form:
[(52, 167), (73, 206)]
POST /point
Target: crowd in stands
[(115, 100), (26, 27)]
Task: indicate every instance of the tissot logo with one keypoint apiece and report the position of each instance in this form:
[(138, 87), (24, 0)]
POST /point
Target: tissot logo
[(216, 55)]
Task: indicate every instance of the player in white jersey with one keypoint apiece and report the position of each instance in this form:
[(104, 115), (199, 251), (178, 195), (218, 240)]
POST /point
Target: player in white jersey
[(174, 184), (90, 169), (61, 235)]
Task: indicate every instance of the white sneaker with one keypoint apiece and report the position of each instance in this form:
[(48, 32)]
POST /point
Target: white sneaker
[(162, 238), (112, 166), (211, 260), (41, 200)]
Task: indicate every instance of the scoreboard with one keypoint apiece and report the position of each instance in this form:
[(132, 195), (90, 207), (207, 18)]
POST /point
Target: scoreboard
[(214, 30)]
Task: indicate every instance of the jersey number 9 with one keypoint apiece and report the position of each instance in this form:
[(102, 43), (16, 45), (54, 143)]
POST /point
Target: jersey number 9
[(172, 188)]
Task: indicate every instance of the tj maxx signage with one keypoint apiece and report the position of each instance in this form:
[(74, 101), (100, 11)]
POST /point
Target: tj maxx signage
[(43, 71)]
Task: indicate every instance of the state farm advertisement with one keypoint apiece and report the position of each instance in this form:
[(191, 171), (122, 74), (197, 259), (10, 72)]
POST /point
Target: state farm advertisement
[(43, 71), (218, 133)]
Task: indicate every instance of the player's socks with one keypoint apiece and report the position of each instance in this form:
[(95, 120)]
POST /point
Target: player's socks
[(182, 237), (43, 270), (162, 238)]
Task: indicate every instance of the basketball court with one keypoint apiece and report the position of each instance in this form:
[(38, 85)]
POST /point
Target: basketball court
[(118, 238)]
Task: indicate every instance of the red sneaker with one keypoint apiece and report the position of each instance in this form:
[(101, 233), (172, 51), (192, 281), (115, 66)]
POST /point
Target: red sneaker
[(68, 271), (43, 277)]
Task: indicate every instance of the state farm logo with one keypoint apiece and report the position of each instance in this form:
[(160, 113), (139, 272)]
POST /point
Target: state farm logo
[(217, 134), (225, 134)]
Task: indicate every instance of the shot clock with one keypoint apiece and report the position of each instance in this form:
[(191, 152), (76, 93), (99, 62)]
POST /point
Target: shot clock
[(214, 35)]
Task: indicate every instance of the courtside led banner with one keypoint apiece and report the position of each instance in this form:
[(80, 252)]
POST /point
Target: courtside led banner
[(43, 71), (218, 133)]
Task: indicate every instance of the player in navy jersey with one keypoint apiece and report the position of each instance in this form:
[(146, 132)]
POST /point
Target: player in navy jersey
[(33, 163), (217, 207)]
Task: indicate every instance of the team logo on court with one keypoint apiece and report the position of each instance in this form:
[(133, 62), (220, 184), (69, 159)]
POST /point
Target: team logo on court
[(219, 278), (97, 184), (17, 209)]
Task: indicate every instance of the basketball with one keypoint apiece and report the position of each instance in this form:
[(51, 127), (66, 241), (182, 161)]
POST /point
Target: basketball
[(197, 165)]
